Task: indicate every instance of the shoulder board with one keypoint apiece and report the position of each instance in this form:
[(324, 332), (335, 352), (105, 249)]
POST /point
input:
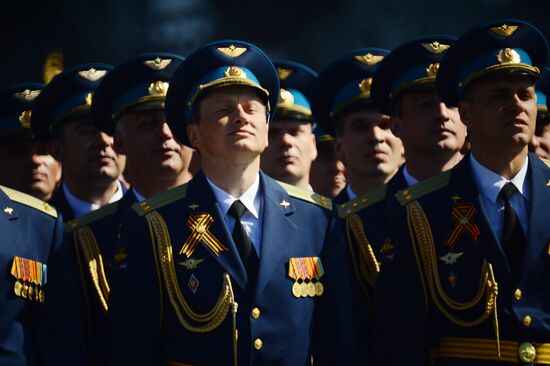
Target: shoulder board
[(422, 188), (545, 161), (30, 201), (307, 195), (161, 199), (90, 217), (361, 202)]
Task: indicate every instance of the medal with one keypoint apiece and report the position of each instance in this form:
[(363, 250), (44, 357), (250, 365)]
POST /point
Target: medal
[(319, 288), (311, 289), (41, 295), (17, 288), (24, 290), (30, 292), (296, 289)]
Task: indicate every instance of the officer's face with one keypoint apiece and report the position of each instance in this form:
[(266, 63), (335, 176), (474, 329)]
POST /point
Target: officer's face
[(368, 147), (232, 126), (290, 152), (427, 126), (87, 154), (540, 144), (26, 166), (149, 145), (327, 172), (501, 113)]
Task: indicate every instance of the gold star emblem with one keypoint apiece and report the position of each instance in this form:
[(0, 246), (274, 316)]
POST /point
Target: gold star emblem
[(504, 30), (508, 56), (435, 47), (232, 51), (158, 63), (284, 204), (92, 74), (284, 73), (369, 59)]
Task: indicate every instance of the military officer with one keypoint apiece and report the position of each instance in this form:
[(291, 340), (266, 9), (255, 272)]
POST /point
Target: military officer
[(31, 233), (464, 283), (291, 148), (327, 175), (432, 134), (129, 103), (25, 164), (91, 167), (343, 107), (540, 144), (233, 267)]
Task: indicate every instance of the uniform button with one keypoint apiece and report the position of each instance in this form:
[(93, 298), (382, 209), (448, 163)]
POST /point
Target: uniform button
[(258, 344), (518, 294), (527, 320), (256, 313)]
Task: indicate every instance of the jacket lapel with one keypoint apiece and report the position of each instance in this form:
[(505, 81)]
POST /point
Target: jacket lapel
[(229, 260), (278, 231), (538, 235)]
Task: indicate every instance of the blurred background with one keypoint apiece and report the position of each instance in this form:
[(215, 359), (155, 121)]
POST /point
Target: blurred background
[(313, 32)]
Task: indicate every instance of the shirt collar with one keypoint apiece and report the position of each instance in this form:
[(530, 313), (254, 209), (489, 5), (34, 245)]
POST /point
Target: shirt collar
[(139, 197), (350, 192), (409, 178), (81, 207), (251, 198), (490, 183)]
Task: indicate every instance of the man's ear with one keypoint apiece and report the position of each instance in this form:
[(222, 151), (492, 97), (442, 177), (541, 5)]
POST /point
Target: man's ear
[(193, 135)]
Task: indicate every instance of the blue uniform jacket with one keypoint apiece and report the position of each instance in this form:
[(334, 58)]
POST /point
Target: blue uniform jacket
[(419, 306), (28, 233), (147, 316), (79, 299)]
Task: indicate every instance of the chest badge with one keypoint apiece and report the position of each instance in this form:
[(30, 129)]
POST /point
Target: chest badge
[(463, 214), (199, 224), (451, 258), (191, 263)]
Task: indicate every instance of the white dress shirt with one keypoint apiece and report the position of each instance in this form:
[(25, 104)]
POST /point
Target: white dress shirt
[(252, 218), (409, 179), (489, 185), (81, 207)]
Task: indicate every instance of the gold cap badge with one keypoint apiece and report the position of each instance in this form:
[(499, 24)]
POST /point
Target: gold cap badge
[(432, 69), (232, 51), (369, 59), (92, 74), (364, 86), (508, 56), (286, 98), (235, 72), (435, 47), (158, 88), (25, 119), (158, 63), (89, 99), (504, 30), (284, 73), (27, 95)]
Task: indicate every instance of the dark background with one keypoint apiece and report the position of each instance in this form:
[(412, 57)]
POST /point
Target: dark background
[(313, 32)]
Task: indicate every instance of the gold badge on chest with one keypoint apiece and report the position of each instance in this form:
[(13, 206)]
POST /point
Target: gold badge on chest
[(306, 273)]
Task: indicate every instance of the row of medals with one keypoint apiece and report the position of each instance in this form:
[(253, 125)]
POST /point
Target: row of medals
[(307, 289), (29, 291)]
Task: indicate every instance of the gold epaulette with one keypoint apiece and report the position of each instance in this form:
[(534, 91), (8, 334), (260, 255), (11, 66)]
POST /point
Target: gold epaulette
[(30, 201), (160, 200), (90, 217), (545, 161), (307, 195), (361, 202), (422, 188)]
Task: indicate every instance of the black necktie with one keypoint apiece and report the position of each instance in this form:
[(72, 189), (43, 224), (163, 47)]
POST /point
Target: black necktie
[(513, 237), (243, 242)]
